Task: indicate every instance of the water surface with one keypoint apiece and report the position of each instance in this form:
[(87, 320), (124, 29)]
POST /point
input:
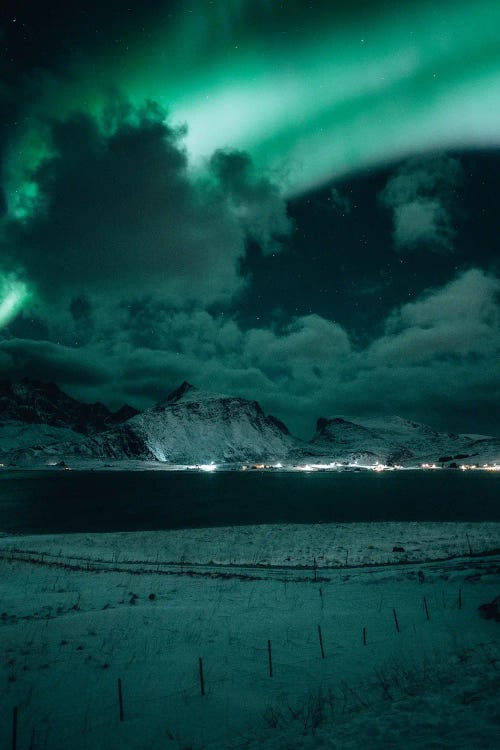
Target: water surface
[(60, 501)]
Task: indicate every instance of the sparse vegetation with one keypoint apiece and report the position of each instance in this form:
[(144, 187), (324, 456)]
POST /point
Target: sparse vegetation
[(73, 658)]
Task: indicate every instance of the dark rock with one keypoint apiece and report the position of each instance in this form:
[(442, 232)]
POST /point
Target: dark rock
[(279, 424), (179, 392), (491, 610), (35, 402)]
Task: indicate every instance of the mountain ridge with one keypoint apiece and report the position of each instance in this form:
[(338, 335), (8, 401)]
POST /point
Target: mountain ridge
[(194, 426), (37, 402)]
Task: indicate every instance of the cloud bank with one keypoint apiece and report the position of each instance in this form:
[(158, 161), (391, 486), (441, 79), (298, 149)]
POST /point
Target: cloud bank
[(115, 213), (436, 359)]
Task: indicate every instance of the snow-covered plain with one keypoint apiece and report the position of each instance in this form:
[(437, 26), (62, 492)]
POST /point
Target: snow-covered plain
[(78, 612)]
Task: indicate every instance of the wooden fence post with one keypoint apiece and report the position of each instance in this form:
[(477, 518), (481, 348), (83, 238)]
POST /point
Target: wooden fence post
[(270, 658), (120, 698), (396, 620), (202, 679), (321, 642), (426, 609)]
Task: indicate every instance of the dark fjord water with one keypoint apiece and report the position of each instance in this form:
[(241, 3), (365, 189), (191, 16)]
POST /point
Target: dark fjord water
[(53, 502)]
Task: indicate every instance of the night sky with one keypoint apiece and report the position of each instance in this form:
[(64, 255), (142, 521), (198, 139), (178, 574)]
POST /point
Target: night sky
[(291, 201)]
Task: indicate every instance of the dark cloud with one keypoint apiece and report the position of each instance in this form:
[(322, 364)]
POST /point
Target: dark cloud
[(45, 360), (255, 200), (119, 216), (458, 320), (421, 196), (436, 360), (135, 252)]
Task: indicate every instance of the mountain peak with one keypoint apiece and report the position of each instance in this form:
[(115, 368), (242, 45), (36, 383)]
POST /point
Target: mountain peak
[(187, 393), (179, 392), (194, 426)]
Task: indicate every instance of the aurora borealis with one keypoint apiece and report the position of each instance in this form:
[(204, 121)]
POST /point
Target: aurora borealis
[(292, 200), (14, 295), (327, 93)]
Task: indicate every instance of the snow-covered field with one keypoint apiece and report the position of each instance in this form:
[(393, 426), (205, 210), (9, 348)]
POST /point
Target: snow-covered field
[(78, 612)]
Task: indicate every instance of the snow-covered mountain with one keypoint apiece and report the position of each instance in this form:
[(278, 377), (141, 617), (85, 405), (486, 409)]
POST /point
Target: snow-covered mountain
[(40, 425), (189, 427), (193, 426), (394, 440), (35, 415)]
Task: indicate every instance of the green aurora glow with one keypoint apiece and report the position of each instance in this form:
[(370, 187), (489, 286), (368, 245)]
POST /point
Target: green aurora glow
[(13, 295), (326, 94), (121, 275)]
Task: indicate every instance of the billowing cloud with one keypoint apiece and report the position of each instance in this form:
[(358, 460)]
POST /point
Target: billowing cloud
[(263, 78), (47, 360), (436, 359), (459, 320), (115, 214), (128, 231), (421, 196), (256, 202)]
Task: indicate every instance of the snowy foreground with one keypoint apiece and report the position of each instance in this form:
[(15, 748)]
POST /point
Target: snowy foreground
[(78, 612)]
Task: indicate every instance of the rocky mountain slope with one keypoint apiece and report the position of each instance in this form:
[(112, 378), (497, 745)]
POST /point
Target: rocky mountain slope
[(30, 402), (189, 427), (35, 415), (197, 427), (393, 440), (40, 425)]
